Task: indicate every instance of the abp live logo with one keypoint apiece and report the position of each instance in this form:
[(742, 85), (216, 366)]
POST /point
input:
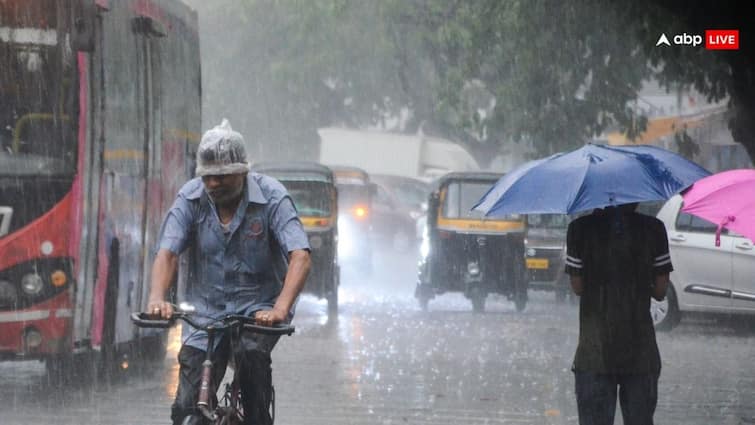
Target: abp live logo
[(722, 39), (714, 40)]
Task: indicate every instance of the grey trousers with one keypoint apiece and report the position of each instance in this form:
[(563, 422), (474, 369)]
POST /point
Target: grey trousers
[(596, 397)]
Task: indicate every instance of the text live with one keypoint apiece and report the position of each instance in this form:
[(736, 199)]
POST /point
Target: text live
[(722, 39)]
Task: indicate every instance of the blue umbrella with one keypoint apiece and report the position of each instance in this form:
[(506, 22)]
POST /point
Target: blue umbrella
[(593, 176)]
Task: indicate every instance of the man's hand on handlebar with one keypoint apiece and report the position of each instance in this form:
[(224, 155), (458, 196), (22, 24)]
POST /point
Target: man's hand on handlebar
[(161, 309), (269, 317)]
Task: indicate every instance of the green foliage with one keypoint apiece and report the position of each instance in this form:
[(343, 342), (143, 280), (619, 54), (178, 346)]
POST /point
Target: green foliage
[(548, 73), (686, 145)]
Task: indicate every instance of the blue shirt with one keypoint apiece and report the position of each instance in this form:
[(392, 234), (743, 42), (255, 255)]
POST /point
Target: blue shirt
[(240, 269)]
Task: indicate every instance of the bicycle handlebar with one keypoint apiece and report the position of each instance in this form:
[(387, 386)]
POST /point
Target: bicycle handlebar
[(145, 320)]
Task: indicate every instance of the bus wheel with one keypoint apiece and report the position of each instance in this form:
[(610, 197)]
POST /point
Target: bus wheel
[(59, 369), (108, 361), (65, 369)]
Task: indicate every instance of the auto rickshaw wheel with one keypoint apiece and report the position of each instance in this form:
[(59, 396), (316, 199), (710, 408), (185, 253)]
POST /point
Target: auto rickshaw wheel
[(478, 304), (520, 301), (423, 293), (478, 298), (521, 285), (332, 298), (332, 294), (424, 302)]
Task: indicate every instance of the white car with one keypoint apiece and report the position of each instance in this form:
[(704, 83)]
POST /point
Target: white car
[(706, 278)]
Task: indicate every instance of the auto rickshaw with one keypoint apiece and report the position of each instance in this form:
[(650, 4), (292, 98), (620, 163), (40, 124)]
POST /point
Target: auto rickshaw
[(314, 193), (355, 195), (462, 251)]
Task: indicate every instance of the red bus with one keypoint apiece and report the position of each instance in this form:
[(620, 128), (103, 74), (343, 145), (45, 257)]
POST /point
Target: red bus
[(99, 119)]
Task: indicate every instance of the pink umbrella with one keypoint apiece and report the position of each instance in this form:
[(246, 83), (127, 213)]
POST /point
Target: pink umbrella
[(726, 198)]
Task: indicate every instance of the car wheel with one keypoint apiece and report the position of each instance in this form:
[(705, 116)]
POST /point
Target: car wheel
[(665, 314)]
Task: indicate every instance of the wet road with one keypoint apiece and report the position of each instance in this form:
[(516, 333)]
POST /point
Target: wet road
[(383, 361)]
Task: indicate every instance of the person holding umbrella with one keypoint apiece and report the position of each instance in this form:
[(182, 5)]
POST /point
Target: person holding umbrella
[(617, 259)]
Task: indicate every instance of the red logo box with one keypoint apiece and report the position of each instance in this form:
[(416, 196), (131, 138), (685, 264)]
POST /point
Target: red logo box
[(722, 39)]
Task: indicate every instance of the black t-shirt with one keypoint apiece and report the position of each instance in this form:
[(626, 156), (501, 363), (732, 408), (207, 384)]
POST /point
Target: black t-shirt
[(618, 257)]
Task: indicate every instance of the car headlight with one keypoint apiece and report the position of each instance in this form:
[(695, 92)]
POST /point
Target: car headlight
[(531, 252), (32, 283), (315, 242), (415, 215)]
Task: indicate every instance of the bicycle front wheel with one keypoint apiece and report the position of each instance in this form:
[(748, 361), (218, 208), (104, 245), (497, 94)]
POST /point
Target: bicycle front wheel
[(194, 420)]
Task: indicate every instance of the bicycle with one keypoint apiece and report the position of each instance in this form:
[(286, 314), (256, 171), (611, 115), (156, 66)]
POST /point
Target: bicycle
[(228, 410)]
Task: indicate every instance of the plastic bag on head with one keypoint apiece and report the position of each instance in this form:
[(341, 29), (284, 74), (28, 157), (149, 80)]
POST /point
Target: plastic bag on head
[(221, 151)]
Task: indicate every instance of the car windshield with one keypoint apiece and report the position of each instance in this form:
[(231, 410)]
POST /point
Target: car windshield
[(312, 199), (407, 192), (549, 221), (461, 196)]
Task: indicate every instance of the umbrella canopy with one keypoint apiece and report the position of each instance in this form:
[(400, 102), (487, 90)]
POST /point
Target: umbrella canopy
[(593, 176), (726, 199)]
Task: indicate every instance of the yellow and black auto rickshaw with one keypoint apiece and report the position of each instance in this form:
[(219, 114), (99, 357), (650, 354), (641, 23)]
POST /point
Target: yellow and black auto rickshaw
[(462, 251), (313, 190)]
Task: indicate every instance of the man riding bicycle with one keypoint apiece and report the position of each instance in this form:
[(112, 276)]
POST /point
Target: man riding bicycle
[(248, 254)]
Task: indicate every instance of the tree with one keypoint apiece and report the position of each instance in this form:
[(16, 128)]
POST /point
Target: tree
[(548, 73), (716, 74), (281, 69)]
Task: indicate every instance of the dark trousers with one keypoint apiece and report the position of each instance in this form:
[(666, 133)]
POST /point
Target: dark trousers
[(253, 370), (596, 398)]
